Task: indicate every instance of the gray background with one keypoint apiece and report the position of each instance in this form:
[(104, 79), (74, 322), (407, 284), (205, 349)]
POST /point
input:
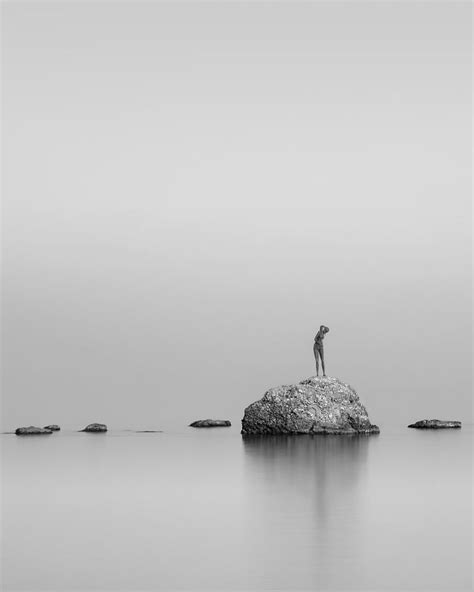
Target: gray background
[(191, 189)]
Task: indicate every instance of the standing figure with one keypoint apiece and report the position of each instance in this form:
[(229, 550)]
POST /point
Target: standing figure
[(318, 348)]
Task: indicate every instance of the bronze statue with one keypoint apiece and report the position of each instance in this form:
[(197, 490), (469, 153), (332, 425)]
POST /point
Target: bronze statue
[(318, 348)]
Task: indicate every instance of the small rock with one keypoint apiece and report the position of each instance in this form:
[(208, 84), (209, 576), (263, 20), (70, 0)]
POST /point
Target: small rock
[(32, 431), (434, 424), (53, 427), (210, 423), (95, 427)]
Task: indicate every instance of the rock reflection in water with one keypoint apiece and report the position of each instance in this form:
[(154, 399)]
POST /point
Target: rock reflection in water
[(305, 500)]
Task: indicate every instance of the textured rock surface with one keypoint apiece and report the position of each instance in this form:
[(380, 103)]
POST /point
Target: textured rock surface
[(210, 423), (31, 431), (323, 405), (53, 427), (434, 424), (95, 427)]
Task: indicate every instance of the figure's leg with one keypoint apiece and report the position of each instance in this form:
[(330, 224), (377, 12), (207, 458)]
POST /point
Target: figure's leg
[(321, 353), (316, 357)]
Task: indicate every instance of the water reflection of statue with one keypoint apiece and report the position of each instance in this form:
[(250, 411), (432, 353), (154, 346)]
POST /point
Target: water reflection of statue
[(318, 348)]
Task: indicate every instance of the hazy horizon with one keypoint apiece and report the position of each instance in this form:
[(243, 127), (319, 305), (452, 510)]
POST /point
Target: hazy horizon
[(191, 189)]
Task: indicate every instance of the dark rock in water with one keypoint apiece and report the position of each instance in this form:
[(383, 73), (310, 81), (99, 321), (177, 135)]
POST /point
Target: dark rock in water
[(434, 424), (32, 431), (144, 431), (95, 427), (210, 423), (53, 427), (318, 405)]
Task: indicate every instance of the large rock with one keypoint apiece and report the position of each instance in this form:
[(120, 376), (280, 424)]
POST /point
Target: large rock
[(434, 424), (53, 427), (318, 405), (32, 431), (210, 423), (95, 427)]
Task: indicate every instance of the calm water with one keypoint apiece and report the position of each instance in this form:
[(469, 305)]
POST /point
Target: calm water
[(208, 510)]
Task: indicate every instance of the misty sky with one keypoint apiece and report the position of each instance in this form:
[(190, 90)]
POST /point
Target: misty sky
[(191, 189)]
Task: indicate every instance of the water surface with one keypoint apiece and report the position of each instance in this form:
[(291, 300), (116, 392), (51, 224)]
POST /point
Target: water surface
[(208, 510)]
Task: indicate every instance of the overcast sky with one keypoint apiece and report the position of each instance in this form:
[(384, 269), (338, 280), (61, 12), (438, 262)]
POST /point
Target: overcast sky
[(191, 189)]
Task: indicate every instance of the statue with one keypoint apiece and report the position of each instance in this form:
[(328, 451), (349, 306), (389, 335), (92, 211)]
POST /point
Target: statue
[(318, 348)]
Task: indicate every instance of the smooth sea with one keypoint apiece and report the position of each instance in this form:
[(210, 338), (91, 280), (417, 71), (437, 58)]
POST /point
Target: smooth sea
[(206, 509)]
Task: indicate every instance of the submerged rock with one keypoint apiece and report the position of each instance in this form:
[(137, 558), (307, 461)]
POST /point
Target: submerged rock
[(53, 427), (434, 424), (317, 405), (32, 431), (210, 423), (95, 427)]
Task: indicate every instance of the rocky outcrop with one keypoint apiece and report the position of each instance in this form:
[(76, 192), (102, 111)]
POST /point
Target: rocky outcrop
[(53, 427), (210, 423), (318, 405), (32, 431), (434, 424), (95, 428)]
